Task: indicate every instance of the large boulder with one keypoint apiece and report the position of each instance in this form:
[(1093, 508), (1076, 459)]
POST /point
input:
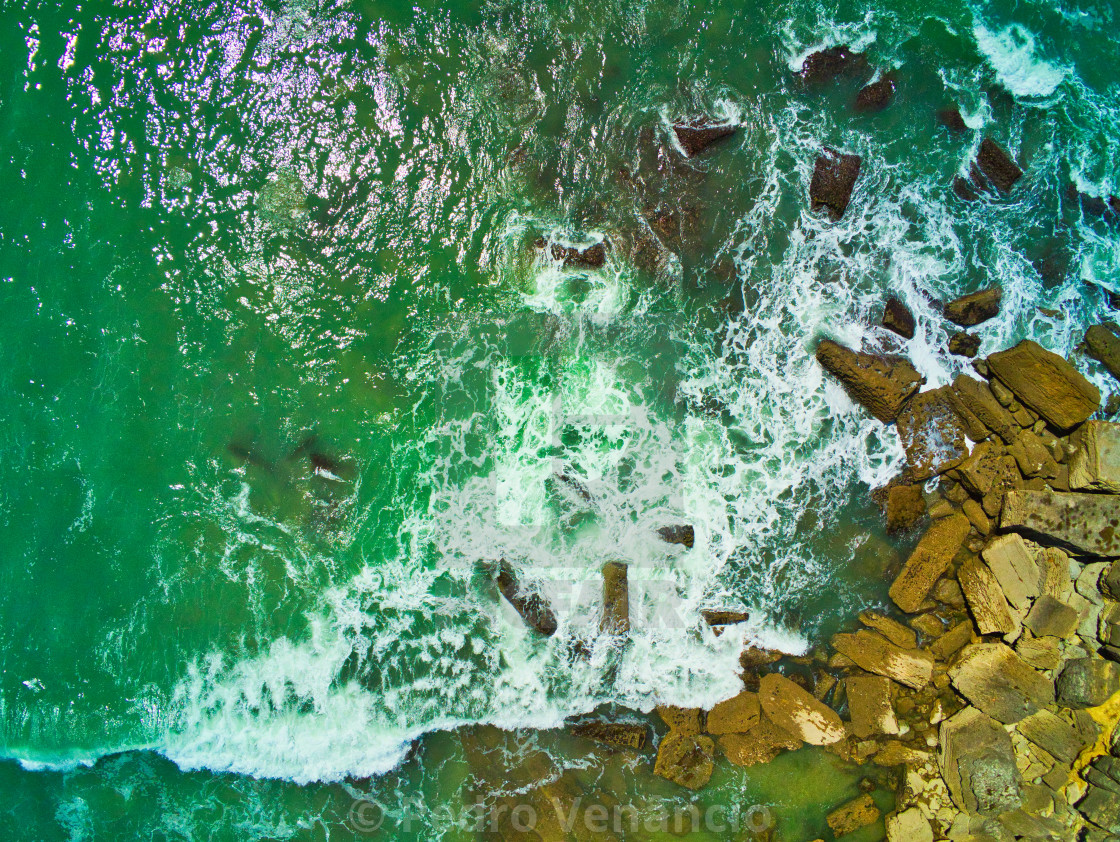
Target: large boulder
[(694, 139), (1083, 523), (897, 317), (825, 65), (931, 432), (796, 711), (1047, 383), (834, 179), (1050, 732), (978, 764), (1095, 465), (1103, 344), (906, 506), (685, 759), (1000, 683), (1050, 617), (881, 384), (974, 308), (1102, 807), (930, 559), (997, 166), (877, 655), (850, 817), (909, 826), (978, 404), (1088, 682), (1015, 568)]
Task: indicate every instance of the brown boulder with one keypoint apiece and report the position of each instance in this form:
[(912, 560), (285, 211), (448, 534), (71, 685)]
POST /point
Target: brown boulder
[(681, 720), (978, 407), (928, 561), (977, 762), (881, 384), (737, 715), (869, 703), (825, 65), (876, 96), (997, 165), (897, 317), (616, 599), (906, 506), (974, 308), (685, 759), (1095, 464), (796, 711), (850, 817), (964, 344), (1047, 383), (1103, 345), (615, 734), (834, 178), (952, 119), (533, 608), (684, 535), (985, 599), (761, 744), (592, 257), (696, 139), (1000, 683)]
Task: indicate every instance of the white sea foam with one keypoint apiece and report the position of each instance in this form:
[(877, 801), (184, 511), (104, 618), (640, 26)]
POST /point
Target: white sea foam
[(1012, 53)]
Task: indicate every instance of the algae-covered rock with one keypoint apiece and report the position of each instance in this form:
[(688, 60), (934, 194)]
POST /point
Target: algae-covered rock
[(974, 308), (685, 759), (682, 534), (826, 65), (1087, 682), (695, 139), (876, 96), (932, 433), (978, 764), (869, 703), (897, 317), (796, 711), (997, 165), (614, 734), (1103, 345), (850, 817), (761, 744), (881, 384), (1047, 383), (929, 560), (1082, 523), (906, 506)]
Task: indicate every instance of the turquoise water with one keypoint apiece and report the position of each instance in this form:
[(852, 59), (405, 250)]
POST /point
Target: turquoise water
[(285, 374)]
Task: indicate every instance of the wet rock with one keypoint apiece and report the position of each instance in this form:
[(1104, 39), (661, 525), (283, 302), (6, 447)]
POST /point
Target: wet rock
[(1015, 568), (1032, 456), (1050, 732), (964, 189), (532, 607), (1102, 808), (909, 826), (1095, 464), (897, 317), (761, 744), (985, 599), (930, 559), (753, 657), (1046, 383), (974, 308), (591, 257), (869, 704), (680, 720), (964, 344), (796, 711), (932, 433), (720, 619), (1049, 617), (906, 506), (877, 655), (697, 139), (737, 715), (859, 812), (825, 65), (1082, 523), (892, 630), (1102, 344), (952, 119), (685, 759), (834, 178), (615, 734), (1087, 682), (881, 384), (876, 96), (997, 165), (683, 534), (978, 764), (1000, 683), (616, 599)]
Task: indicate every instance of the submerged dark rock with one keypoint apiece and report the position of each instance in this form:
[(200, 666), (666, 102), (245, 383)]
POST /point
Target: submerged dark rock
[(964, 344), (997, 166), (532, 607), (826, 65), (683, 534), (974, 308), (696, 139), (876, 96), (897, 317), (965, 189), (834, 178), (592, 257), (951, 119)]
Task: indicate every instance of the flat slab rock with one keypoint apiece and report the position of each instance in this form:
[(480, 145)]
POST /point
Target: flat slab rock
[(825, 65), (977, 761), (796, 711), (736, 715), (1047, 383), (932, 433), (877, 655), (1095, 465), (1087, 524), (880, 384), (616, 734), (930, 559), (834, 179), (1000, 683), (869, 704), (985, 598)]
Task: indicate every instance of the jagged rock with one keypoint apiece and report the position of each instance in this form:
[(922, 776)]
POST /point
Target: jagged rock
[(796, 711), (1103, 345), (880, 384), (857, 813), (906, 506), (978, 764), (1015, 568), (616, 734), (985, 599), (974, 308), (952, 119), (869, 704), (892, 630), (696, 139), (683, 534), (1095, 464), (931, 432), (897, 317), (1049, 617), (680, 720), (1000, 683), (753, 657), (1083, 523), (878, 655), (979, 402), (616, 599), (592, 257), (719, 619), (1087, 682), (964, 344), (834, 178), (737, 715), (1110, 582), (761, 744), (1102, 808), (876, 96), (1046, 383), (964, 189), (909, 826), (532, 607), (997, 165), (825, 65), (685, 759), (930, 559), (1050, 732)]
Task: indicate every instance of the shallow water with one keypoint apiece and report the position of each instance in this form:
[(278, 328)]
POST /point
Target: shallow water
[(285, 374)]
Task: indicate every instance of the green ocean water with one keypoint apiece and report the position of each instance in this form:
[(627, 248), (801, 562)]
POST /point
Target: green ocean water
[(283, 373)]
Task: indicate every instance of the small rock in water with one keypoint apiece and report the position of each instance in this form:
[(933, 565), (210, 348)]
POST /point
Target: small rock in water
[(683, 534), (616, 734), (532, 607), (592, 257), (974, 308), (897, 317), (834, 178), (964, 344), (695, 139), (685, 759), (876, 96), (965, 190), (826, 65), (997, 165), (616, 599), (906, 506), (951, 119), (719, 619), (1103, 345)]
